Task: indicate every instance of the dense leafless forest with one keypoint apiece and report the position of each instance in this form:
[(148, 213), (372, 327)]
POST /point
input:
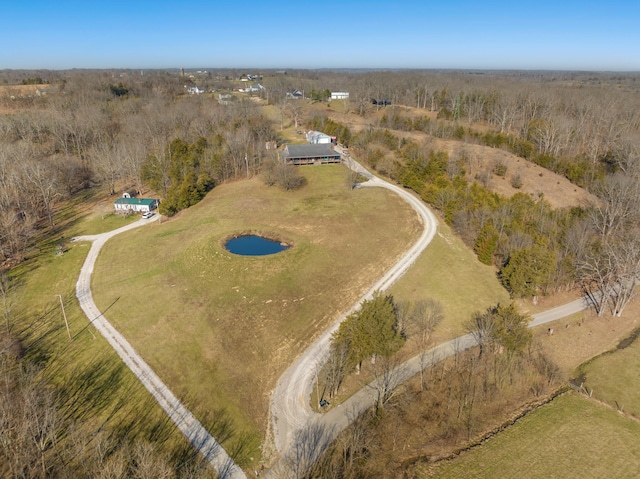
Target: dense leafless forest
[(143, 131), (100, 127)]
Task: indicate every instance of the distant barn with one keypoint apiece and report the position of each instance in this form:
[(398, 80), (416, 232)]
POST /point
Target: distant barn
[(339, 95)]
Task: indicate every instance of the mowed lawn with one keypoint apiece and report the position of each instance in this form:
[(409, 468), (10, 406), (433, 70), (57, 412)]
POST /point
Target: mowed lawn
[(570, 437), (218, 328)]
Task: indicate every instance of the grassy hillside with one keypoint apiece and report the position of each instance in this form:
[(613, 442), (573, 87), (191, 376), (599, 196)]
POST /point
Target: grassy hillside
[(221, 328), (613, 378), (450, 273), (92, 385)]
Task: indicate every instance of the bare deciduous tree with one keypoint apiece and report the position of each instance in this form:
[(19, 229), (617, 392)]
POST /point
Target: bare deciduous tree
[(388, 374), (108, 164), (44, 182), (425, 316), (619, 195), (308, 445), (609, 273)]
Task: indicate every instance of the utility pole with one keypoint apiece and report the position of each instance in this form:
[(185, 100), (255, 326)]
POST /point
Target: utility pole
[(66, 323)]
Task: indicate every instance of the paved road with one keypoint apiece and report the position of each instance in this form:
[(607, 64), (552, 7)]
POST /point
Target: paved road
[(180, 415), (289, 408), (560, 312)]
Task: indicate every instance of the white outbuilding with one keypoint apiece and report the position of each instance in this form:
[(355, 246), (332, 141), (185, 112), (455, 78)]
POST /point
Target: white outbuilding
[(319, 138)]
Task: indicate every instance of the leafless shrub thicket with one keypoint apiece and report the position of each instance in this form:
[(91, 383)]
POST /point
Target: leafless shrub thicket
[(460, 400)]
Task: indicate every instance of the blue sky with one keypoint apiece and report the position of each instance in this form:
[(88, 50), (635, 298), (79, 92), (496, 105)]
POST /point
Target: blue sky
[(558, 35)]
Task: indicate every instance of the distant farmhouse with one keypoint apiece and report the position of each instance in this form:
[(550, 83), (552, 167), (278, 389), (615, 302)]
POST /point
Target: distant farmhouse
[(339, 95), (309, 154), (252, 88), (127, 204), (254, 77)]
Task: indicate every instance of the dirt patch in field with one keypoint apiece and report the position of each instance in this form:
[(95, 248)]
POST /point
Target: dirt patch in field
[(17, 97), (20, 90)]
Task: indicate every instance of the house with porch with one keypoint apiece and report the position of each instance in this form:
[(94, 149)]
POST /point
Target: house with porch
[(127, 204), (309, 154)]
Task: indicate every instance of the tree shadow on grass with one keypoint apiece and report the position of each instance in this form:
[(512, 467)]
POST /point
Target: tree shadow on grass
[(40, 334), (240, 445)]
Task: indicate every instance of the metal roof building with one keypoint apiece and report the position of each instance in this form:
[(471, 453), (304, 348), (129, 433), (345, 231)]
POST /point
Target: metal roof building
[(310, 154), (135, 204)]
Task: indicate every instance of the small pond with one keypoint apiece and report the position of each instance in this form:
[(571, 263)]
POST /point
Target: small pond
[(253, 245)]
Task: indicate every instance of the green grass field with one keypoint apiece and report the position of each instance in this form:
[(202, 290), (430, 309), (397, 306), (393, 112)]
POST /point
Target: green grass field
[(570, 437), (218, 328), (93, 386), (613, 377)]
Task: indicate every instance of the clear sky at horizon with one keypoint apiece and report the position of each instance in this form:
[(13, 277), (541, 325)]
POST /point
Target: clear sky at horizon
[(542, 35)]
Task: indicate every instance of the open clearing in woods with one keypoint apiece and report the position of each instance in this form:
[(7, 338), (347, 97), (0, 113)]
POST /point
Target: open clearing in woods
[(206, 320)]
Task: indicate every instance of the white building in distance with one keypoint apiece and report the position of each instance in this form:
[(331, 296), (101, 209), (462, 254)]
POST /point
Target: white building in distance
[(339, 95)]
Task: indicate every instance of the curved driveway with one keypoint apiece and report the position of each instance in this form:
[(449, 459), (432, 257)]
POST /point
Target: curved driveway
[(290, 405), (290, 409), (197, 435)]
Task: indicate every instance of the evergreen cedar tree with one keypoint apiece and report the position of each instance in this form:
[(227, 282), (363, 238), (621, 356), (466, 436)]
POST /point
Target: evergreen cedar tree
[(370, 331), (180, 174)]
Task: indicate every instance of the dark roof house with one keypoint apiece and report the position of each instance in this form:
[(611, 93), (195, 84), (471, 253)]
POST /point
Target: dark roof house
[(309, 154)]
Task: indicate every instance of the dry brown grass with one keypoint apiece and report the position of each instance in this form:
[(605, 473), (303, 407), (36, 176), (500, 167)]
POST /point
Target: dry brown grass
[(536, 180), (581, 337), (10, 96)]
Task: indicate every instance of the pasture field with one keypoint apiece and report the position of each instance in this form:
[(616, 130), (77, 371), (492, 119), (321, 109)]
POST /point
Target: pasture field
[(572, 436), (218, 328), (613, 378)]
